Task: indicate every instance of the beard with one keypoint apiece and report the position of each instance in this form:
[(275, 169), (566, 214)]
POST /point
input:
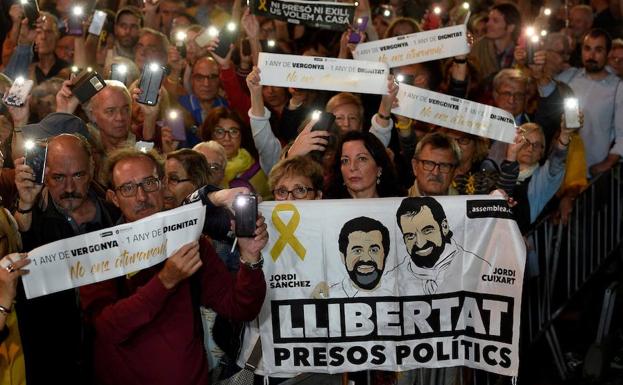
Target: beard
[(365, 281), (591, 66), (427, 261)]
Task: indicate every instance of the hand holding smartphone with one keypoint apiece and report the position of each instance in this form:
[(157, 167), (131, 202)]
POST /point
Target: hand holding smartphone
[(18, 93), (226, 36), (175, 121), (362, 24), (572, 114), (31, 11), (151, 80), (324, 121), (87, 85), (36, 153), (119, 72), (74, 23), (245, 214), (97, 23)]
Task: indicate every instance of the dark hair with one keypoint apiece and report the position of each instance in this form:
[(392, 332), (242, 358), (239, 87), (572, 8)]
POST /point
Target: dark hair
[(388, 185), (366, 225), (511, 16), (132, 10), (206, 131), (125, 153), (195, 165), (596, 33), (413, 205)]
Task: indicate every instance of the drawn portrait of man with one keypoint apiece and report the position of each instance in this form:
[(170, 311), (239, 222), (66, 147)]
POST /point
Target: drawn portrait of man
[(428, 239), (364, 245)]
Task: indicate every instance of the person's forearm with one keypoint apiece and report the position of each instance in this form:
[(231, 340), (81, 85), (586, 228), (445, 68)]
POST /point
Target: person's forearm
[(24, 221), (19, 61)]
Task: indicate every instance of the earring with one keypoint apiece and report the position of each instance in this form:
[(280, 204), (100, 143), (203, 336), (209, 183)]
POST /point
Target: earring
[(378, 177)]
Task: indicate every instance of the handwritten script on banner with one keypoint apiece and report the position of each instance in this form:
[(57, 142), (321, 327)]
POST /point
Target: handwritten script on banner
[(416, 47), (112, 252), (318, 14), (455, 113), (322, 73), (352, 289)]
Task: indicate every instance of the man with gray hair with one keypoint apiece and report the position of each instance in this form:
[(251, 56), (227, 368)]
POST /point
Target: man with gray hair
[(152, 46), (434, 163), (110, 117)]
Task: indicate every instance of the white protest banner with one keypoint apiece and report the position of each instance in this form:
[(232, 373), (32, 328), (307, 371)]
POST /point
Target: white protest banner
[(323, 73), (112, 252), (352, 288), (319, 14), (455, 113), (416, 47)]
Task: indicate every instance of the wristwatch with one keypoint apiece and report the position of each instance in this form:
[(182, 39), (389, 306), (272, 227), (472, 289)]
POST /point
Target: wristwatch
[(253, 265)]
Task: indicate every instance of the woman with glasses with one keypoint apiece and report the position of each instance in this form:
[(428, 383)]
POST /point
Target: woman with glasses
[(296, 178), (475, 174), (362, 169), (537, 184), (217, 160), (243, 169)]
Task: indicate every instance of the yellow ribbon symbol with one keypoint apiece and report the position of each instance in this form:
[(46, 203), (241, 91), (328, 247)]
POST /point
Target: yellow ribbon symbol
[(262, 6), (286, 231)]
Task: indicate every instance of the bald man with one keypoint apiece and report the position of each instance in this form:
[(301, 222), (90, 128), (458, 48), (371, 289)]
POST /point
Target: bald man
[(69, 206)]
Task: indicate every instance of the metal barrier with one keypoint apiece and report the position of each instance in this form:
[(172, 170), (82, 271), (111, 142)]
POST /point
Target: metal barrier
[(568, 256)]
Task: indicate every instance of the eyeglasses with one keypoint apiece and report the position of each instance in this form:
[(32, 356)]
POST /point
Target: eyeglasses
[(219, 132), (149, 184), (215, 166), (464, 140), (299, 192), (535, 145), (515, 95), (174, 181), (429, 165), (203, 78)]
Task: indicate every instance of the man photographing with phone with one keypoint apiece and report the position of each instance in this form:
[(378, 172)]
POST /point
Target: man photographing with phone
[(146, 325), (68, 206)]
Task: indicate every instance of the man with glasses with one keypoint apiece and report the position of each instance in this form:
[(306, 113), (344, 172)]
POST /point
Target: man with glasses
[(147, 324), (68, 206), (434, 163), (205, 84)]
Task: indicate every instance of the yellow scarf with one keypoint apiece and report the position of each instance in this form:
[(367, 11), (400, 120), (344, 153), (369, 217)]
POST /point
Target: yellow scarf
[(241, 163), (238, 165)]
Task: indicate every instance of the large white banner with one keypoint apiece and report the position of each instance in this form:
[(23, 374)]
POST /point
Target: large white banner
[(416, 47), (455, 113), (112, 252), (323, 73), (391, 284)]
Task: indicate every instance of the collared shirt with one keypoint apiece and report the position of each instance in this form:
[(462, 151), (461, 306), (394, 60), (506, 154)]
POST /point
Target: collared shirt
[(602, 104), (82, 228)]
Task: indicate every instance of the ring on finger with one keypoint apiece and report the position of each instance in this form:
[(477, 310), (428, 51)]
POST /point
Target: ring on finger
[(10, 268)]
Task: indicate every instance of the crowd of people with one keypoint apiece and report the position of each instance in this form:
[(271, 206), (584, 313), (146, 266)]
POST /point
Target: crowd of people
[(112, 159)]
